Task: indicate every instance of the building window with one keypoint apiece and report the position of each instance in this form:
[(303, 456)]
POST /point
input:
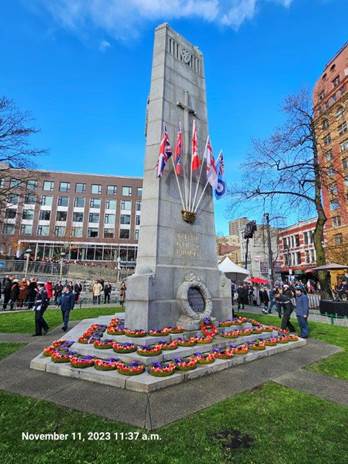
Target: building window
[(9, 229), (124, 233), (63, 201), (136, 234), (138, 206), (44, 215), (79, 202), (336, 81), (126, 191), (345, 163), (327, 139), (325, 124), (336, 221), (339, 112), (297, 240), (77, 217), (109, 233), (298, 256), (28, 214), (64, 186), (77, 231), (26, 229), (328, 155), (32, 184), (59, 231), (338, 239), (13, 199), (109, 219), (93, 217), (43, 230), (61, 216), (125, 219), (46, 201), (80, 188), (96, 189), (346, 181), (10, 213), (139, 192), (137, 220), (92, 232), (111, 189), (334, 205), (15, 183), (342, 128), (30, 199), (48, 185), (110, 204), (126, 205), (344, 146), (312, 256), (95, 203)]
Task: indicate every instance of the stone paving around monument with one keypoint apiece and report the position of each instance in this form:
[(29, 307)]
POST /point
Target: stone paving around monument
[(145, 382)]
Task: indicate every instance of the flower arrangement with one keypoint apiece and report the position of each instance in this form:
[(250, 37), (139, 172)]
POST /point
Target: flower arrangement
[(124, 347), (169, 345), (267, 328), (57, 343), (259, 345), (228, 353), (115, 330), (160, 333), (82, 361), (48, 350), (292, 338), (271, 341), (207, 328), (257, 330), (186, 364), (204, 340), (162, 369), (103, 344), (227, 323), (241, 349), (149, 350), (105, 364), (93, 333), (284, 339), (176, 330), (132, 368), (135, 333), (232, 334), (205, 358), (83, 340), (246, 332), (57, 357), (187, 341)]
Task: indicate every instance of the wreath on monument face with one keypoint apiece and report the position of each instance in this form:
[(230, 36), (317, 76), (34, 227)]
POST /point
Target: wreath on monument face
[(207, 328)]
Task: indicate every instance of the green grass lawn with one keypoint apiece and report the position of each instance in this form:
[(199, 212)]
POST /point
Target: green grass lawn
[(9, 348), (337, 364), (23, 322), (270, 425)]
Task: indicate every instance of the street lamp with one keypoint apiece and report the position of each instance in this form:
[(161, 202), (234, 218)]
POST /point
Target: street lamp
[(118, 260), (61, 265), (27, 257)]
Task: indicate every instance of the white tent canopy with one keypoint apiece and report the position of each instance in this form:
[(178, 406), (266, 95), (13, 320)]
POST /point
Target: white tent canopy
[(232, 270)]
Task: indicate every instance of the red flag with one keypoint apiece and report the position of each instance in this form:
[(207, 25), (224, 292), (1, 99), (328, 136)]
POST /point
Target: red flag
[(196, 162), (165, 153), (178, 153)]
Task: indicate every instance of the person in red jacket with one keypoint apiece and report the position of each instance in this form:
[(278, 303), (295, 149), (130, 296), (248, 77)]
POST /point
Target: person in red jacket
[(49, 290)]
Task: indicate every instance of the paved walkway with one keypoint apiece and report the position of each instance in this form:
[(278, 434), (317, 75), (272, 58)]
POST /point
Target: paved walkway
[(181, 400)]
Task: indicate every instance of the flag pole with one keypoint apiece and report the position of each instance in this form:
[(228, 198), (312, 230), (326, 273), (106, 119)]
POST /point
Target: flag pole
[(190, 191), (183, 166), (201, 198), (177, 180), (200, 173)]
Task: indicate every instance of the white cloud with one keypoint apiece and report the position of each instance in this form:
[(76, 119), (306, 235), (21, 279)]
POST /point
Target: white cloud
[(121, 19), (104, 45)]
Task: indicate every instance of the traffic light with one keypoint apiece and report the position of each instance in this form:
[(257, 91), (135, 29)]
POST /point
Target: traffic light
[(250, 229)]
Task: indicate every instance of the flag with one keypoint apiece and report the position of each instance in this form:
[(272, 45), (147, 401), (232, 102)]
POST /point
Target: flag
[(165, 153), (196, 162), (212, 177), (220, 169), (178, 153)]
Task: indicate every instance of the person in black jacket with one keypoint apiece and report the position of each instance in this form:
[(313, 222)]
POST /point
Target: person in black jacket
[(40, 306), (107, 292), (32, 292), (285, 297), (7, 291), (67, 302)]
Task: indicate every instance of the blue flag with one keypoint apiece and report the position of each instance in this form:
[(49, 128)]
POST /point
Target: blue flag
[(221, 185)]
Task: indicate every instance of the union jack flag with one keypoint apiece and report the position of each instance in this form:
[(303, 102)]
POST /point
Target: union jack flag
[(178, 153), (165, 152)]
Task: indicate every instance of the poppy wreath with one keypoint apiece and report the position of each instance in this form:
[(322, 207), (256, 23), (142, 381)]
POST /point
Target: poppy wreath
[(57, 343), (166, 346), (226, 323), (186, 364), (117, 330), (187, 341), (149, 350), (258, 345), (293, 338), (162, 369), (124, 347), (132, 368), (267, 328), (271, 341), (207, 328), (205, 358), (204, 340), (48, 350), (135, 333), (160, 333), (246, 332), (241, 349), (103, 344), (176, 330), (257, 330), (284, 339), (228, 353), (57, 357), (82, 362), (105, 364), (83, 340), (232, 334)]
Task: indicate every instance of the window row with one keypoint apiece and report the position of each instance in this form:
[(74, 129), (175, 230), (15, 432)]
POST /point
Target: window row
[(95, 189)]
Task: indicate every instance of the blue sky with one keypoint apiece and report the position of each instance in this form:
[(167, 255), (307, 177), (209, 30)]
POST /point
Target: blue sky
[(82, 68)]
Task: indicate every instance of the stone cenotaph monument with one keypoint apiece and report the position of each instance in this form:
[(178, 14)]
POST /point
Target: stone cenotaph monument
[(177, 281)]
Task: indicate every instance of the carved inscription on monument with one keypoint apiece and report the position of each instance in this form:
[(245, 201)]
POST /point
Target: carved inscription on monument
[(187, 244)]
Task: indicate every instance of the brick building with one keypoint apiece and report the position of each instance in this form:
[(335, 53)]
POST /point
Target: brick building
[(87, 217), (331, 122)]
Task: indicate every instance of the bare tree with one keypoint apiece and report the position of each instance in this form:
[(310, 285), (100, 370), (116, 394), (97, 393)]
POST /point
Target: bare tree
[(17, 156), (284, 171)]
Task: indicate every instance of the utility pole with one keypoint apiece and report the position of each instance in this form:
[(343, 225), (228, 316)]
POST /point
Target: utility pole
[(270, 253), (250, 229)]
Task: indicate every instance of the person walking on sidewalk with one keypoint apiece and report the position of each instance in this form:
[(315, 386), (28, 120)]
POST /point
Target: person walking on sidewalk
[(285, 298), (96, 291), (123, 290), (40, 306), (302, 311), (107, 292), (67, 302)]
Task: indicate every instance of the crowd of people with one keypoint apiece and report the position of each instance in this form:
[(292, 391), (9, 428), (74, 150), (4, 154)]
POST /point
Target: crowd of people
[(285, 297)]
